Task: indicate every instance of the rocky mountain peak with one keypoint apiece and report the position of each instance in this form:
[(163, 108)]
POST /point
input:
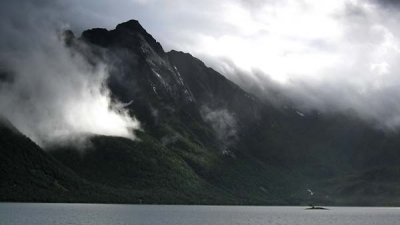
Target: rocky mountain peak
[(126, 35), (134, 26), (97, 36)]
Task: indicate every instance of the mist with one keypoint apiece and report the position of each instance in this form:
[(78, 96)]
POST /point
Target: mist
[(48, 92), (350, 66), (331, 56), (223, 123)]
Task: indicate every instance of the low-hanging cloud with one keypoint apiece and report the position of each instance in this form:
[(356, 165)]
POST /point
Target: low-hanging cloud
[(350, 63), (49, 92), (223, 123), (329, 56)]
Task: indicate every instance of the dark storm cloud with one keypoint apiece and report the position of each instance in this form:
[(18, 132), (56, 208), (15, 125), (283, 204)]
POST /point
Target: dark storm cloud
[(389, 4)]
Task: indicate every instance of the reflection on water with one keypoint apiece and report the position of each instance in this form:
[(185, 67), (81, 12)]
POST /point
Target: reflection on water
[(99, 214)]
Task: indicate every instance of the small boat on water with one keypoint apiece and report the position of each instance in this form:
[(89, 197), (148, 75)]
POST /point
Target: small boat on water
[(317, 207)]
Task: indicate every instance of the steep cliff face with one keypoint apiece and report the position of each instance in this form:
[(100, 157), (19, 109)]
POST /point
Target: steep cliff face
[(137, 61), (140, 72)]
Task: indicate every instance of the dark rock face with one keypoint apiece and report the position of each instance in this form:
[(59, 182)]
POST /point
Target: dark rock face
[(214, 90), (135, 56), (97, 36), (135, 27)]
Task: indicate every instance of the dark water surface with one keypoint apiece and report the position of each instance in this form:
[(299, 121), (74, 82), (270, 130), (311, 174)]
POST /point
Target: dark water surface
[(99, 214)]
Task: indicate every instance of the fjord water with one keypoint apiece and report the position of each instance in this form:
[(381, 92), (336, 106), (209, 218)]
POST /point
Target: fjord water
[(99, 214)]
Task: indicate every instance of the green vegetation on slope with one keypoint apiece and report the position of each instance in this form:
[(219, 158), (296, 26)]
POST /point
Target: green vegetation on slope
[(181, 172)]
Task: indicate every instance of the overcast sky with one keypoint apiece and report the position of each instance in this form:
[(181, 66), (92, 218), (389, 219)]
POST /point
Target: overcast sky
[(285, 39), (327, 55)]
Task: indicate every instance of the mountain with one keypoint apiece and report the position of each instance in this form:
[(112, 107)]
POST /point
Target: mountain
[(204, 141), (30, 174)]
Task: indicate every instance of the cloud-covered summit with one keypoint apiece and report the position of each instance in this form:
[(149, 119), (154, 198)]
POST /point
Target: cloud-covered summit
[(322, 55)]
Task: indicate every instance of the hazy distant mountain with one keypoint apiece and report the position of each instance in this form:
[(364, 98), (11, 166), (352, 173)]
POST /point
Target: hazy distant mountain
[(205, 140)]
